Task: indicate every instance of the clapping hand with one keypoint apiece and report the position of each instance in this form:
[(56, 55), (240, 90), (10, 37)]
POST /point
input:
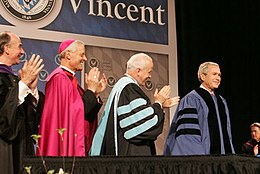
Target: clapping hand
[(171, 102), (163, 94), (91, 79), (163, 97), (102, 85), (30, 71), (93, 83)]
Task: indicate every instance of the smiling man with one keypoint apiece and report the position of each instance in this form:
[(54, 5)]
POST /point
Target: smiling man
[(130, 122), (20, 103), (201, 124), (70, 107)]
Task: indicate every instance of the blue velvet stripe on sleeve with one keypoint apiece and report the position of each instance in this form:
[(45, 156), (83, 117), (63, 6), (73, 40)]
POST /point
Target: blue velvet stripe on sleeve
[(133, 105), (136, 117), (133, 120), (141, 128)]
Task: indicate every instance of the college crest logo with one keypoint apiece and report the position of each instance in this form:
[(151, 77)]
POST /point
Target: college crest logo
[(41, 12), (28, 4)]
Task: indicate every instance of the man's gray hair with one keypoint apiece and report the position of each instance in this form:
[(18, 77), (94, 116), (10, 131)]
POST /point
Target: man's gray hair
[(5, 38), (203, 69), (138, 60), (255, 125), (72, 48)]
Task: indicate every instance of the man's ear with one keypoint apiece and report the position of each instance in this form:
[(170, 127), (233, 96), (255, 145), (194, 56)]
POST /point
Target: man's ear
[(202, 76), (68, 55), (6, 49), (138, 70)]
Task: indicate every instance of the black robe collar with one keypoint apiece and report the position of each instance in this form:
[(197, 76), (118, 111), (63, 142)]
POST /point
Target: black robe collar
[(215, 144)]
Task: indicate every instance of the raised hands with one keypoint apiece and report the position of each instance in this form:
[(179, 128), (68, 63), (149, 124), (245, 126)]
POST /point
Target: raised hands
[(93, 83), (30, 71), (163, 94), (163, 97), (171, 102)]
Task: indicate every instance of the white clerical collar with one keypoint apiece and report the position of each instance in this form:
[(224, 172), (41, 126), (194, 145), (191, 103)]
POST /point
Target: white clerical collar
[(67, 69), (203, 87), (131, 78)]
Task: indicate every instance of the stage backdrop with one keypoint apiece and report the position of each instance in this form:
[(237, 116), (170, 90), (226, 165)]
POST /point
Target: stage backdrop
[(112, 30)]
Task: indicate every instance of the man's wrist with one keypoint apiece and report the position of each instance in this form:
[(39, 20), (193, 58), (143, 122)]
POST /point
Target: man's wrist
[(158, 103), (99, 100)]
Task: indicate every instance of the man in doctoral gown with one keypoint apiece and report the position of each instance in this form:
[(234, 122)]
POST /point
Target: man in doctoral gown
[(201, 123), (130, 122)]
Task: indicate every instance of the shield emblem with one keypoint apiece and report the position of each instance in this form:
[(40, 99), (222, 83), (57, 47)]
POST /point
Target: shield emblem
[(28, 4)]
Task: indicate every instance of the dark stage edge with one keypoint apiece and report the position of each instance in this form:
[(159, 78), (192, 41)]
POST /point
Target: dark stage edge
[(228, 164)]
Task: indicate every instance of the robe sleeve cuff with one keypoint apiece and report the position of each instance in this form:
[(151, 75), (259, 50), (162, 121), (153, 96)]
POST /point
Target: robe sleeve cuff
[(24, 90), (158, 103)]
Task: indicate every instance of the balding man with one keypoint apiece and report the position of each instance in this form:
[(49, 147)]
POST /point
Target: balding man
[(20, 104), (131, 123)]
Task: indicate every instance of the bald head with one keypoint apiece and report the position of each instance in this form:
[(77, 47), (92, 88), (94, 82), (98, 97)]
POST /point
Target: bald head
[(140, 66), (139, 60)]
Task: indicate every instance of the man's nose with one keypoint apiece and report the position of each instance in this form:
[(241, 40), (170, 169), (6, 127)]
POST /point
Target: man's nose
[(22, 51)]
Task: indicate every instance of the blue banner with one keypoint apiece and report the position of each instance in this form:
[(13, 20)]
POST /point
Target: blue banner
[(136, 20)]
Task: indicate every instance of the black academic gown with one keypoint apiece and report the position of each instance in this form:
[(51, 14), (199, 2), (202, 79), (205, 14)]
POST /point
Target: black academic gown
[(248, 147), (139, 124), (17, 124)]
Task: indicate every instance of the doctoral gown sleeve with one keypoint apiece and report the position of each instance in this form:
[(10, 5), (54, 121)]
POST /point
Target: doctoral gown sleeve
[(10, 121), (33, 111), (184, 137), (138, 119)]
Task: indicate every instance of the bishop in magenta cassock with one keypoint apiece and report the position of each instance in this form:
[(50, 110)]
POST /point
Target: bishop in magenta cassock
[(68, 106)]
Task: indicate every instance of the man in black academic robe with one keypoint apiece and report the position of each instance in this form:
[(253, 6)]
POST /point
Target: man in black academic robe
[(131, 122), (20, 104)]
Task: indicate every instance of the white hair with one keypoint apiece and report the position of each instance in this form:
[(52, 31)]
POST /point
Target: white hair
[(138, 60), (255, 125)]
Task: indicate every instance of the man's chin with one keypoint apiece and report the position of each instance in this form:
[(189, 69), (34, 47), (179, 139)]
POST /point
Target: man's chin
[(79, 69)]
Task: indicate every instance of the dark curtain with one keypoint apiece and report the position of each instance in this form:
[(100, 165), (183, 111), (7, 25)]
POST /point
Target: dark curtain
[(226, 32)]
